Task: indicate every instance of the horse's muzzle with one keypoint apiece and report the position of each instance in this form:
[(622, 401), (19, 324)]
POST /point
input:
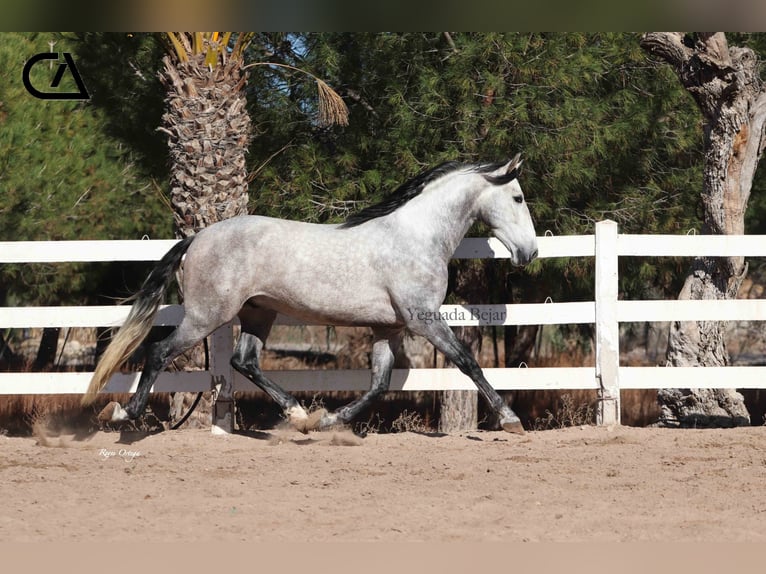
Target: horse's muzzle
[(523, 258)]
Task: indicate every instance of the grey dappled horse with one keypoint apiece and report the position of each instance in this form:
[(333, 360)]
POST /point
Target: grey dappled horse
[(385, 267)]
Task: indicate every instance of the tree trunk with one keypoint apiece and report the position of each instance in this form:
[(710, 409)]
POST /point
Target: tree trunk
[(518, 344), (7, 355), (726, 86), (46, 351), (209, 132)]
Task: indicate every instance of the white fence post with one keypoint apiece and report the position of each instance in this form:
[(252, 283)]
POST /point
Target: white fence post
[(607, 326), (221, 346)]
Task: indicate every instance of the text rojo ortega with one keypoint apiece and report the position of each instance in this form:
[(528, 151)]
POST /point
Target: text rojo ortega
[(123, 453)]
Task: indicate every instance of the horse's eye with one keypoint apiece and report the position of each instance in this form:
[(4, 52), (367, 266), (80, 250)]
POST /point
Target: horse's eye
[(518, 198)]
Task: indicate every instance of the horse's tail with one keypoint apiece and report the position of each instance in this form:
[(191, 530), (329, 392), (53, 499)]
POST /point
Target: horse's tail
[(140, 319)]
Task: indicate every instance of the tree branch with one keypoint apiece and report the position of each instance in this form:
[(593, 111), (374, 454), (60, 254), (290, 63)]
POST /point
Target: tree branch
[(450, 41), (703, 64), (668, 46), (715, 46)]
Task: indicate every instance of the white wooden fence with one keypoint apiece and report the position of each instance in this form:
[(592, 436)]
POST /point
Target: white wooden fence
[(607, 376)]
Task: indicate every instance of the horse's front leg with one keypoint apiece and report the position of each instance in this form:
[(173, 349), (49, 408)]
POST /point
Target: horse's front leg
[(383, 351), (443, 338)]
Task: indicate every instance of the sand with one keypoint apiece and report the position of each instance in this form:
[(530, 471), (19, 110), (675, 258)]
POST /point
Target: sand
[(577, 484)]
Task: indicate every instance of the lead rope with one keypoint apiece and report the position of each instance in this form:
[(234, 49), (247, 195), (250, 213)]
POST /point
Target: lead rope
[(182, 420), (199, 394)]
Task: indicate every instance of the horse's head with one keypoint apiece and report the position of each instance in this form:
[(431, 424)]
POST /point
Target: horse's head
[(502, 206)]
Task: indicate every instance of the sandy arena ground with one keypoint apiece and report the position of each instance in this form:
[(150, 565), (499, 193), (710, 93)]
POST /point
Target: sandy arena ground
[(577, 484)]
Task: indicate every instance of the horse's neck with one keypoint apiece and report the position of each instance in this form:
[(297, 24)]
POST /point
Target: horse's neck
[(440, 216)]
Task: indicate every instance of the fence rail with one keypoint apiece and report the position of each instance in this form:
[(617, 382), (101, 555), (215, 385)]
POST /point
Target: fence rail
[(606, 312)]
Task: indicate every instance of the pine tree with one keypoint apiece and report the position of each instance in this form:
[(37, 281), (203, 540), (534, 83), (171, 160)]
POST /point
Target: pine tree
[(605, 132), (62, 176)]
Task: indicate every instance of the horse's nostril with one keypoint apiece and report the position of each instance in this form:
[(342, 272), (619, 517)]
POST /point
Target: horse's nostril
[(534, 255)]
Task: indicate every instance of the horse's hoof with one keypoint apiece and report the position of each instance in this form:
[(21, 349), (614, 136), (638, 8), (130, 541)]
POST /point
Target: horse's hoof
[(296, 416), (328, 421), (112, 412), (319, 419), (513, 427), (311, 422), (316, 419)]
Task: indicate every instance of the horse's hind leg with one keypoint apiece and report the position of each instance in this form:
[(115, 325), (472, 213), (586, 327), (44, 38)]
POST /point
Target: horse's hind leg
[(245, 360), (383, 351), (158, 357)]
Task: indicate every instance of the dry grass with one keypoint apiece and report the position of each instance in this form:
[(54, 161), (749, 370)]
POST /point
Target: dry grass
[(372, 425), (53, 415), (38, 415), (569, 413), (410, 422)]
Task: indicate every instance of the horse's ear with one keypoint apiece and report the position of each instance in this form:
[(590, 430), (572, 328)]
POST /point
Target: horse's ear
[(514, 167), (507, 172), (506, 168)]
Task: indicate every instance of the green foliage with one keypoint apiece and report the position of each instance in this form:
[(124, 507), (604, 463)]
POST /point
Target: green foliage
[(124, 85), (605, 132), (63, 177)]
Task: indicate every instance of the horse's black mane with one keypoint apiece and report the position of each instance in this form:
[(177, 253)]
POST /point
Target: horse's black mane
[(415, 186)]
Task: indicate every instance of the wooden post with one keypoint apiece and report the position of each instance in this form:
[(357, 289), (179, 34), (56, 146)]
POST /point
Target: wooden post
[(221, 347), (607, 326), (459, 411)]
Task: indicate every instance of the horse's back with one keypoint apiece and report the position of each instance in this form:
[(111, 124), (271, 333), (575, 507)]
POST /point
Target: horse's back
[(312, 271)]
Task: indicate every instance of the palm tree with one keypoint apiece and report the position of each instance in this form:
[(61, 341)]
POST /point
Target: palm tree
[(208, 128), (209, 131), (208, 125)]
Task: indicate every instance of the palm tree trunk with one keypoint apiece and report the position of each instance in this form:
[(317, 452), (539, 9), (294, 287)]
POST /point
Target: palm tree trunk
[(209, 131)]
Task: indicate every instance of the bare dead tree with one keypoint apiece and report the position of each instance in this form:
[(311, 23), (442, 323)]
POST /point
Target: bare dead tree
[(725, 83)]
